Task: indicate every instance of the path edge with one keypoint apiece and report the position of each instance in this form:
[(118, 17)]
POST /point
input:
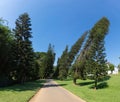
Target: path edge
[(70, 92), (36, 92)]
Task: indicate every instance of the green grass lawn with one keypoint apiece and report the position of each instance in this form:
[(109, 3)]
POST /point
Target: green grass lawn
[(20, 93), (109, 90)]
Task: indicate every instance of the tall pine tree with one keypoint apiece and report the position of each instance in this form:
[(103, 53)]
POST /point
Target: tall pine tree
[(49, 61), (24, 51), (56, 72), (63, 65), (96, 62), (76, 48), (41, 59)]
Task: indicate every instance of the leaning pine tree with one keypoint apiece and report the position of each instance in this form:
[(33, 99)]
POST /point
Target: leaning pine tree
[(91, 60), (78, 67), (24, 51), (76, 48), (96, 63), (70, 56), (63, 65)]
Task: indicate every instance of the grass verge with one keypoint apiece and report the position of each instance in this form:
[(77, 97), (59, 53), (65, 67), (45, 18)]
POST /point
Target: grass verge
[(20, 93), (108, 90)]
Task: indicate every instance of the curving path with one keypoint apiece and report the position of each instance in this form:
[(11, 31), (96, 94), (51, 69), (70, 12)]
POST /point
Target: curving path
[(52, 92)]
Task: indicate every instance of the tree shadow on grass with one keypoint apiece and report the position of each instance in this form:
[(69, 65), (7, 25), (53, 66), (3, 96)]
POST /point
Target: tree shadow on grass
[(85, 83), (34, 85), (101, 85)]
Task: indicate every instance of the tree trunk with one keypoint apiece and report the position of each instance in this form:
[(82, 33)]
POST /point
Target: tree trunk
[(74, 81), (95, 84)]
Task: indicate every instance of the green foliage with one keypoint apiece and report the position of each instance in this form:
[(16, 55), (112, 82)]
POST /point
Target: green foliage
[(76, 48), (96, 61), (68, 57), (49, 61), (6, 40), (79, 70), (72, 55), (24, 55), (111, 67), (40, 58), (18, 62), (91, 60), (63, 64), (56, 71)]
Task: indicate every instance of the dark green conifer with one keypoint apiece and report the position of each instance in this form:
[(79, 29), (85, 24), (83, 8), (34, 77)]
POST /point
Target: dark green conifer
[(91, 60), (63, 65), (24, 50)]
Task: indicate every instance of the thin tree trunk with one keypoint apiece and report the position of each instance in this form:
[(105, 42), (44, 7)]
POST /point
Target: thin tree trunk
[(74, 81), (95, 84)]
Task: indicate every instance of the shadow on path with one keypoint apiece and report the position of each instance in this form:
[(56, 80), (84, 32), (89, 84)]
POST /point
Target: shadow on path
[(53, 85)]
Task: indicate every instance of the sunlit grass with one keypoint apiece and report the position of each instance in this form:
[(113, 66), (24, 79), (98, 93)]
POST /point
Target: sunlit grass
[(109, 90), (20, 93)]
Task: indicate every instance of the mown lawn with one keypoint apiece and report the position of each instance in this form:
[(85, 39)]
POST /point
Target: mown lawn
[(20, 93), (109, 90)]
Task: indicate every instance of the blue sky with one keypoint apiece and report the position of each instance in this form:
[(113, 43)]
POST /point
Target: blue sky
[(61, 22)]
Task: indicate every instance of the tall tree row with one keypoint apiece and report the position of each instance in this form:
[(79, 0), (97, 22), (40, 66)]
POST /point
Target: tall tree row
[(19, 63), (92, 58), (68, 57), (45, 62)]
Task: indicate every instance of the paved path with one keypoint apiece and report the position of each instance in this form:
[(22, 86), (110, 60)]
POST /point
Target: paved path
[(52, 92)]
